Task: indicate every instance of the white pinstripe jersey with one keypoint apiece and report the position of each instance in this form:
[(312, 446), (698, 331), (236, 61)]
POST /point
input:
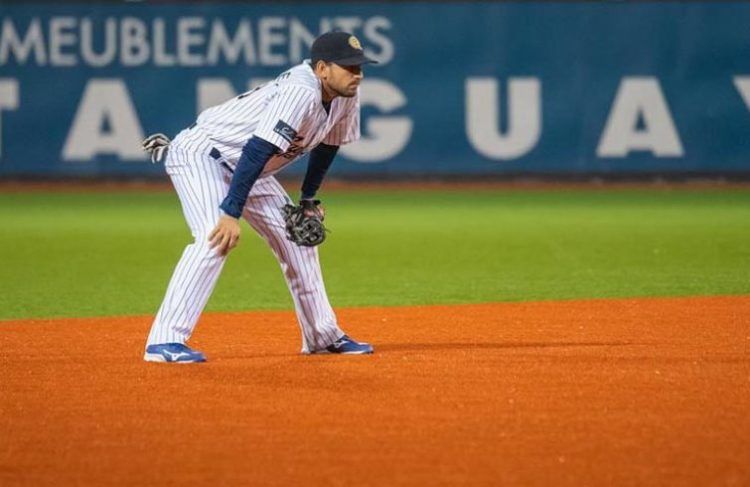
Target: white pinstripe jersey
[(287, 112)]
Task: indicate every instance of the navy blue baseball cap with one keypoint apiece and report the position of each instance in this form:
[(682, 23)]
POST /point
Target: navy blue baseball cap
[(341, 48)]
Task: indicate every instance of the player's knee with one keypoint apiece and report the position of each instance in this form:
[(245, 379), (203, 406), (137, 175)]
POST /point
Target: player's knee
[(290, 272), (202, 250)]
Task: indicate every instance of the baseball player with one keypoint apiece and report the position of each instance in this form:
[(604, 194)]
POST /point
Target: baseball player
[(222, 168)]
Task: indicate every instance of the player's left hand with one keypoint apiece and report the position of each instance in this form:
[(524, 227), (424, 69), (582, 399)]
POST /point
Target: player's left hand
[(304, 223), (226, 235)]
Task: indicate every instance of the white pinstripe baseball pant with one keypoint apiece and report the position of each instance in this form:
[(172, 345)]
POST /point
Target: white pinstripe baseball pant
[(201, 184)]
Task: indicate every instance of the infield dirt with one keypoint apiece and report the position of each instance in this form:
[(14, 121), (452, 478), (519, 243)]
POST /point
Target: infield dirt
[(599, 392)]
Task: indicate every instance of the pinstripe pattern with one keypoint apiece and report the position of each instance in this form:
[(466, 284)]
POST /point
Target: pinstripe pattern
[(295, 98), (346, 129), (300, 265), (201, 184)]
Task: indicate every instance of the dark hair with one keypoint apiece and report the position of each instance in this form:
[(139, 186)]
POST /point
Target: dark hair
[(314, 63)]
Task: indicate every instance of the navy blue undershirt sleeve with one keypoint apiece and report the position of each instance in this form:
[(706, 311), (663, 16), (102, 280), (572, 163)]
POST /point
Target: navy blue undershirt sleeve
[(320, 160), (255, 155)]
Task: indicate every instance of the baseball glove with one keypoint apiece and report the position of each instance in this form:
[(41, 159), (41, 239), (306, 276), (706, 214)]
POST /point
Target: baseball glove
[(156, 146), (304, 223)]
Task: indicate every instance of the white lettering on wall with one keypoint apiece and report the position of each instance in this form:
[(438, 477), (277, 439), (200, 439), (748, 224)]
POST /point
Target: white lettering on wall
[(104, 101), (373, 30), (161, 56), (8, 101), (135, 49), (271, 37), (639, 98), (383, 137), (190, 35), (222, 45), (215, 91), (60, 38), (12, 44), (742, 83), (190, 41), (524, 117), (300, 41), (88, 54)]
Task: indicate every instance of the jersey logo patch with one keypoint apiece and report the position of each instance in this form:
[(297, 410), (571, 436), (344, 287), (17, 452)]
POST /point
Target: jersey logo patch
[(285, 131)]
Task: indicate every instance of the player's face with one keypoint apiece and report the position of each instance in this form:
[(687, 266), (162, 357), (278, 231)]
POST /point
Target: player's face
[(342, 80)]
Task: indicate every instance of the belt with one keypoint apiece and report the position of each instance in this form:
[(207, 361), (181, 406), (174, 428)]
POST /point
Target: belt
[(216, 155)]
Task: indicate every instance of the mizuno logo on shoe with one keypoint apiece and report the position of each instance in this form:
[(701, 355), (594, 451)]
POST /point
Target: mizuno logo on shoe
[(176, 356)]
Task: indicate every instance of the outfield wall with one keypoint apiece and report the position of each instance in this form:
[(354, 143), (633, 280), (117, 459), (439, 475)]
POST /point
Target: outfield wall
[(485, 88)]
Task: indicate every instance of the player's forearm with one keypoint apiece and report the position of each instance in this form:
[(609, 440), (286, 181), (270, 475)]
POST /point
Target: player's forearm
[(255, 155), (321, 159)]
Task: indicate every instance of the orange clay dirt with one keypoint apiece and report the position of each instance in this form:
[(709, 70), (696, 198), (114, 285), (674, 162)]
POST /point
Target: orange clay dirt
[(599, 392)]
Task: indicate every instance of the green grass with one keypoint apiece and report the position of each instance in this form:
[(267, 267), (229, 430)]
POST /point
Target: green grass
[(111, 254)]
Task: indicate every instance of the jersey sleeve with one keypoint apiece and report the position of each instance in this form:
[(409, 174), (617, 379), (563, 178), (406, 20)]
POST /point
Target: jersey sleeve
[(346, 130), (284, 115)]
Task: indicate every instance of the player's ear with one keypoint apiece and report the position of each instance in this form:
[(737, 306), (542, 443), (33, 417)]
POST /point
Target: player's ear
[(320, 67)]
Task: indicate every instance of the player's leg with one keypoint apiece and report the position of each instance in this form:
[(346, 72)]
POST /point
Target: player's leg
[(201, 186), (300, 265)]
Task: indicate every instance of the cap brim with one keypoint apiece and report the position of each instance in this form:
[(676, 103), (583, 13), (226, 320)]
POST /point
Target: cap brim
[(355, 61)]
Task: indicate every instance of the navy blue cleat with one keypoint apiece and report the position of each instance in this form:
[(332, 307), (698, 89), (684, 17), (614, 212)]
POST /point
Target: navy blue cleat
[(173, 352), (347, 346)]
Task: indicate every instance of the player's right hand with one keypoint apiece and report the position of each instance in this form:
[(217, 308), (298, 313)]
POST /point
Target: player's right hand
[(312, 208), (226, 235), (156, 147)]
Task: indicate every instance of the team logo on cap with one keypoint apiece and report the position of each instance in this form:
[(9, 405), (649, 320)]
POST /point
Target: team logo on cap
[(354, 42)]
